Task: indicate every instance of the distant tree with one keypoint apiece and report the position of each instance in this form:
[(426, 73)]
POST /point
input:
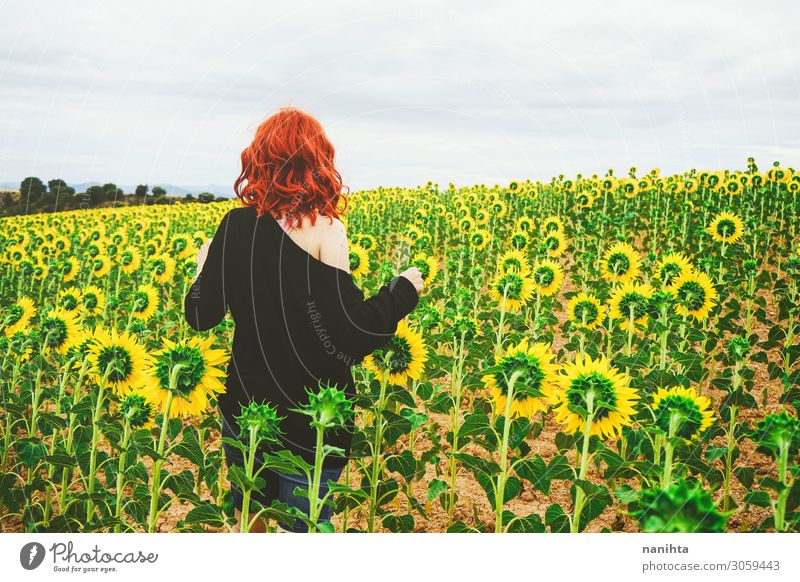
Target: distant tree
[(158, 191), (189, 197), (5, 199), (48, 201), (59, 187), (162, 199), (205, 197), (142, 189), (31, 189), (96, 194), (111, 191)]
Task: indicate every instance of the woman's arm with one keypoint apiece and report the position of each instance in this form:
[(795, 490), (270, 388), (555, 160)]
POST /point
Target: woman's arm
[(367, 324), (204, 305)]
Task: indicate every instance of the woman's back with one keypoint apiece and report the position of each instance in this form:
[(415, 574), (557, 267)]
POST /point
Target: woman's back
[(298, 320)]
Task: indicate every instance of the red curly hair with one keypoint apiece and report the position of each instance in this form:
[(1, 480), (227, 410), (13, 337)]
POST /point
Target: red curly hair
[(288, 170)]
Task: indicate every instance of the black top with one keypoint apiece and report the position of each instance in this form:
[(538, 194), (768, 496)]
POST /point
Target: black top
[(299, 321)]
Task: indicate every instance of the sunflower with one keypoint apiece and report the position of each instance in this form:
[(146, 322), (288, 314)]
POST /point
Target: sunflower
[(534, 374), (367, 241), (70, 268), (137, 409), (695, 294), (163, 269), (547, 276), (613, 398), (401, 359), (514, 261), (726, 228), (93, 300), (620, 263), (182, 246), (479, 238), (100, 265), (556, 243), (130, 259), (18, 316), (670, 267), (585, 311), (145, 302), (188, 373), (60, 330), (524, 223), (427, 266), (412, 234), (120, 359), (69, 298), (693, 413), (630, 298), (359, 260), (519, 239), (516, 289), (552, 224)]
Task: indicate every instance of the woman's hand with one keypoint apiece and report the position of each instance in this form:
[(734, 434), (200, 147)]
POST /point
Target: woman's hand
[(415, 277), (202, 254)]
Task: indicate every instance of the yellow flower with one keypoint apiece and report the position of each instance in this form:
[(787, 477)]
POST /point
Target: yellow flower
[(585, 311), (192, 370), (692, 414), (93, 300), (145, 302), (130, 259), (359, 260), (18, 316), (556, 243), (671, 266), (513, 288), (620, 263), (514, 261), (427, 266), (401, 359), (613, 398), (119, 359), (630, 298), (534, 375), (59, 330), (695, 294), (163, 269), (547, 276), (726, 228), (552, 224), (69, 298)]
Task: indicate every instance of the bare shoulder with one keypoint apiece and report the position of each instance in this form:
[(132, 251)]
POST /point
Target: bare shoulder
[(333, 249), (331, 225)]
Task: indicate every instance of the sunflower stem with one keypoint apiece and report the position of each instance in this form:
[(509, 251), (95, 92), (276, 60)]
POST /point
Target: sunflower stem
[(251, 457), (499, 499), (155, 491), (123, 456), (666, 479), (580, 495), (729, 459)]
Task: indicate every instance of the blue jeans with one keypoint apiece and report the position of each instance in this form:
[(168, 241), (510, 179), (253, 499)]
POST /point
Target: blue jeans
[(288, 483)]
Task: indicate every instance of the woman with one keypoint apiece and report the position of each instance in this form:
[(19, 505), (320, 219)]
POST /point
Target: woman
[(280, 263)]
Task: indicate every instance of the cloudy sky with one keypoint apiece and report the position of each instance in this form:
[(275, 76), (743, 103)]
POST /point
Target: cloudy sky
[(170, 92)]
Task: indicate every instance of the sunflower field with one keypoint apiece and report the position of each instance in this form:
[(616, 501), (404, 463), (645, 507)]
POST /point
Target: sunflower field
[(598, 353)]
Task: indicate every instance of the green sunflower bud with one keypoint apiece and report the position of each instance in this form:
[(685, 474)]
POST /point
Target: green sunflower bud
[(776, 432), (680, 508), (328, 408), (738, 348), (263, 418)]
